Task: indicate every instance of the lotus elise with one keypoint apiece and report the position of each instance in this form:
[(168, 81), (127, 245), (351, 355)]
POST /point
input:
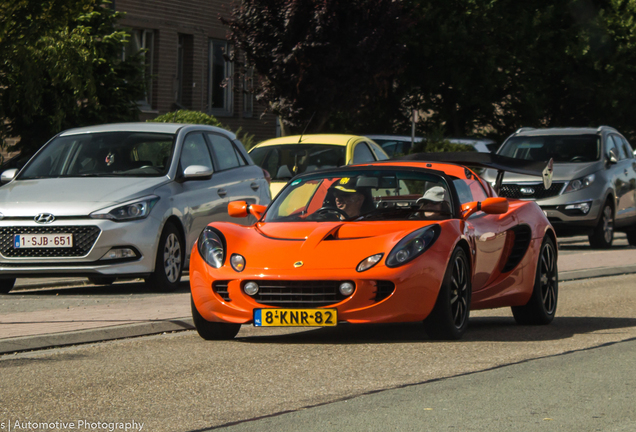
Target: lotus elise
[(420, 239)]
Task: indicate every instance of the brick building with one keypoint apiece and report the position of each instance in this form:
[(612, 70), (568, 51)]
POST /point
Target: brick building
[(187, 64)]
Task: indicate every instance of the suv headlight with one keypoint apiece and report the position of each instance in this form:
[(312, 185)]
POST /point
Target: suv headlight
[(580, 183), (211, 245), (413, 245), (136, 209)]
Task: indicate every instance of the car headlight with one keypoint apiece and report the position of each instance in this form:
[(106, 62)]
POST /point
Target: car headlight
[(137, 209), (211, 244), (580, 183), (369, 262), (413, 245)]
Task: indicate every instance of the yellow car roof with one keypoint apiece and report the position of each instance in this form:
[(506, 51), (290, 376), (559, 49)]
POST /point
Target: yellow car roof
[(333, 139)]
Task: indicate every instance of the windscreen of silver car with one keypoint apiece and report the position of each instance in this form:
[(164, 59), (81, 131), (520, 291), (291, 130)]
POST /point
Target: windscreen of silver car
[(211, 244), (579, 183), (131, 210), (413, 245)]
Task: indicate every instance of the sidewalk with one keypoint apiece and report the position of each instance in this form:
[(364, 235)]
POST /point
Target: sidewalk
[(32, 320)]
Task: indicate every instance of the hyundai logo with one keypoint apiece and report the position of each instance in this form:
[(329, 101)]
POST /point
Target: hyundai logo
[(527, 190), (44, 218)]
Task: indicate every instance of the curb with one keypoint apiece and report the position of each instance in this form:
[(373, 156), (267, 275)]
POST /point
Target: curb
[(29, 343), (595, 273)]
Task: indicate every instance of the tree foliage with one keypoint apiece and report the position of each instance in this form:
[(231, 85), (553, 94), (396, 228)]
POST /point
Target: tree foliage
[(61, 67), (493, 66), (319, 56)]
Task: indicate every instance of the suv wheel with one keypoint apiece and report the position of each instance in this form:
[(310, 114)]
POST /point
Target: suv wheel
[(603, 234)]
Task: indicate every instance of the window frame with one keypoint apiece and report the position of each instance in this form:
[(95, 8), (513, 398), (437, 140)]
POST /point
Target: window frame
[(228, 94)]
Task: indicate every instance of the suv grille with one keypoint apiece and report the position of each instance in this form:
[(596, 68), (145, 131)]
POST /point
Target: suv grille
[(298, 294), (529, 191), (84, 238)]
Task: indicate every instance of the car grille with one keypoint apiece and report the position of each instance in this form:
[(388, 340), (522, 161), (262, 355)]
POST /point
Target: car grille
[(529, 191), (220, 287), (298, 294), (384, 289), (84, 238)]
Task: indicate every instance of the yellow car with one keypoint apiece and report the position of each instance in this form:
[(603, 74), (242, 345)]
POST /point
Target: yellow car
[(285, 157)]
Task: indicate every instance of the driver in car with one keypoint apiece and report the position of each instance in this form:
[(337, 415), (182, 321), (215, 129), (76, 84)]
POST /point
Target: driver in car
[(348, 199)]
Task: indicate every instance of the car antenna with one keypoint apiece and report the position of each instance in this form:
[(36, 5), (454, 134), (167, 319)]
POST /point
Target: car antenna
[(306, 126)]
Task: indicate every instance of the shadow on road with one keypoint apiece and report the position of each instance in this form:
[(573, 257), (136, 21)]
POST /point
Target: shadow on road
[(116, 289), (486, 329)]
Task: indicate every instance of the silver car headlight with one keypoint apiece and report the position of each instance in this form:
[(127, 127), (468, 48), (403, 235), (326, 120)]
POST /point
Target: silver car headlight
[(579, 183), (132, 210), (413, 245), (211, 245)]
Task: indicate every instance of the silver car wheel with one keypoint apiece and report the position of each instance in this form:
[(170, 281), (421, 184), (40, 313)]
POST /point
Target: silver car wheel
[(172, 258), (608, 224)]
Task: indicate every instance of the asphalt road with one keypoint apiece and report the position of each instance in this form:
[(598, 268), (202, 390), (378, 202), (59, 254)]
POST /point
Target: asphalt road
[(574, 375)]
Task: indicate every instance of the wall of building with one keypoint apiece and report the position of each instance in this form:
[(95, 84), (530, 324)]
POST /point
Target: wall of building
[(191, 24)]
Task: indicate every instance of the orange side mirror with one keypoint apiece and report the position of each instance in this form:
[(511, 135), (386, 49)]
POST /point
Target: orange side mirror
[(237, 209), (489, 206), (240, 209)]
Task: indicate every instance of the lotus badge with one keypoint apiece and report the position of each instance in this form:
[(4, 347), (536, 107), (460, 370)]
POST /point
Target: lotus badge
[(298, 264)]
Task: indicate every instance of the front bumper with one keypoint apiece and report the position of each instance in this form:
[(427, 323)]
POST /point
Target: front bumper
[(140, 236), (416, 286)]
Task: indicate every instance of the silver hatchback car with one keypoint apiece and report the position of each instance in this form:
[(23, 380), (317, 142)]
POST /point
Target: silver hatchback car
[(593, 188), (121, 200)]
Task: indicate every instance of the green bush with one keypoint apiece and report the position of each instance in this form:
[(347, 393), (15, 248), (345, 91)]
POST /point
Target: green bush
[(198, 117)]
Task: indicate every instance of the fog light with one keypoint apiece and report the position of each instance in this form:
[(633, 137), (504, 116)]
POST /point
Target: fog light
[(346, 288), (237, 262), (119, 253), (583, 207), (251, 288)]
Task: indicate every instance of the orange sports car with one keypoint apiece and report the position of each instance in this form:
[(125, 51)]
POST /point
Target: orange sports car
[(419, 239)]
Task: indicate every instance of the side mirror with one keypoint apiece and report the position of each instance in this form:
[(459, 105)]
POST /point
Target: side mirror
[(496, 205), (8, 175), (240, 209), (194, 172), (613, 157)]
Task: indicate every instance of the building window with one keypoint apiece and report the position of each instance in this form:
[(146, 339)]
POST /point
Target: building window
[(248, 91), (142, 44), (220, 79)]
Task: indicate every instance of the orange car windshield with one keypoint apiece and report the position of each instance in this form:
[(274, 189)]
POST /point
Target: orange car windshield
[(357, 195)]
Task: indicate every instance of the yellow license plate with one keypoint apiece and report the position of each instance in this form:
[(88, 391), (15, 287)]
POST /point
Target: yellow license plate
[(295, 317)]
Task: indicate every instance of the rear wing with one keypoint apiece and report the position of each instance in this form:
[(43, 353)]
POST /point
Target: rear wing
[(491, 161)]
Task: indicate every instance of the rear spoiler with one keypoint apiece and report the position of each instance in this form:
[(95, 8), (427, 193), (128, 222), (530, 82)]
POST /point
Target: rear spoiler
[(491, 161)]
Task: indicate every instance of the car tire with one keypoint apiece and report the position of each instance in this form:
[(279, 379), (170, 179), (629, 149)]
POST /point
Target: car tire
[(541, 307), (631, 236), (6, 285), (169, 261), (449, 318), (209, 330), (101, 280), (603, 234)]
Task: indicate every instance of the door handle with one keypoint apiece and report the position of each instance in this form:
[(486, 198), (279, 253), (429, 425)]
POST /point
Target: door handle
[(254, 185), (221, 192)]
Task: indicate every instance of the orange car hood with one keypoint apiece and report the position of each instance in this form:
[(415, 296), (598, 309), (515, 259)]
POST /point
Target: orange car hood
[(319, 245)]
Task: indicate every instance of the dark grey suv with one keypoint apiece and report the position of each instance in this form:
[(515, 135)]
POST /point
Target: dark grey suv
[(594, 183)]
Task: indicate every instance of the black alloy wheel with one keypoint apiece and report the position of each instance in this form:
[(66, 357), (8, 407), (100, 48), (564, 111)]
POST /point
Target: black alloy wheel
[(209, 330), (449, 318), (541, 308)]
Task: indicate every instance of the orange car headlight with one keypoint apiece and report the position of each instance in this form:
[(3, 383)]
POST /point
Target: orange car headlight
[(211, 244), (413, 245)]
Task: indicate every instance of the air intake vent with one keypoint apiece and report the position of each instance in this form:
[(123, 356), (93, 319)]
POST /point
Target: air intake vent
[(385, 289), (523, 235), (84, 238), (220, 287)]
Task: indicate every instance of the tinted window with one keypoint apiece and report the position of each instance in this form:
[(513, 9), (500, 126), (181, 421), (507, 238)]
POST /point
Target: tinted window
[(378, 151), (561, 148), (195, 152), (362, 154), (224, 152), (629, 152), (469, 190), (618, 144)]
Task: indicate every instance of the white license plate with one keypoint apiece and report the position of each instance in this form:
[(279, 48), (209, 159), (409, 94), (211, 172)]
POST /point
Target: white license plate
[(42, 241)]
